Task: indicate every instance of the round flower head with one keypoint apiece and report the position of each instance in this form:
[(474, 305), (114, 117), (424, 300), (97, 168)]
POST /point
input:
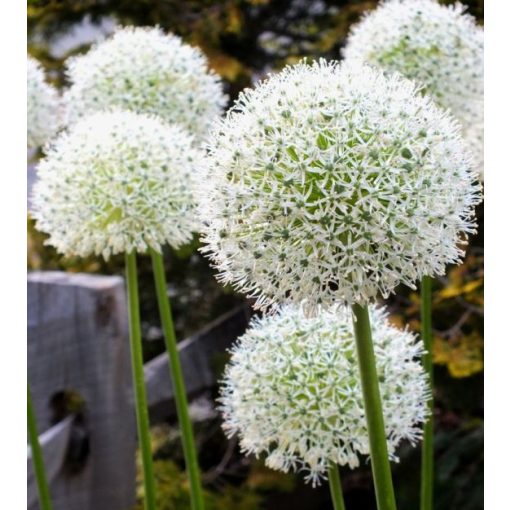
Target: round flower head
[(334, 182), (42, 106), (117, 182), (145, 71), (292, 389), (440, 47)]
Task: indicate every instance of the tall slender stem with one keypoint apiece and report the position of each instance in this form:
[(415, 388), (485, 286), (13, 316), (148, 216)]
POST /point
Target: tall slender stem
[(335, 487), (427, 454), (188, 443), (373, 410), (37, 458), (142, 413)]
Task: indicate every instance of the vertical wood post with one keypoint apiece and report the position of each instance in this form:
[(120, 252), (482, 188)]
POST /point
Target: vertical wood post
[(77, 341)]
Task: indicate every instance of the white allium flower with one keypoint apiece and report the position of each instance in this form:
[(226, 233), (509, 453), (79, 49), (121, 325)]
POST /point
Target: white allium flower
[(116, 182), (146, 71), (332, 183), (292, 389), (440, 47), (43, 106)]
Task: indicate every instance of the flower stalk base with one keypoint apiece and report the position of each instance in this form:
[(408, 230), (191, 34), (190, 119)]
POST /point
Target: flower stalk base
[(427, 455), (37, 457), (142, 413), (335, 487), (373, 410), (188, 443)]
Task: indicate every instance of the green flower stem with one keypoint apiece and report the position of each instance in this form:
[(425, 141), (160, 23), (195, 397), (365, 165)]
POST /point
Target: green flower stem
[(142, 413), (427, 455), (188, 443), (373, 410), (335, 487), (37, 458)]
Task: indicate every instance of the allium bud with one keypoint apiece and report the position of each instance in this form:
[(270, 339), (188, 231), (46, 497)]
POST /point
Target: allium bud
[(332, 183), (42, 106), (292, 389), (116, 182), (145, 71), (438, 46)]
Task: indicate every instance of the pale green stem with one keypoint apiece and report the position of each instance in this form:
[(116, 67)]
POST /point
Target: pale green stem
[(188, 443), (427, 455), (142, 413), (373, 410), (335, 487), (37, 457)]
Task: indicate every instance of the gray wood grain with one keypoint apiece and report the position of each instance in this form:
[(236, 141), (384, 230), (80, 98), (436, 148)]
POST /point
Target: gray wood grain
[(77, 340), (54, 443), (197, 355)]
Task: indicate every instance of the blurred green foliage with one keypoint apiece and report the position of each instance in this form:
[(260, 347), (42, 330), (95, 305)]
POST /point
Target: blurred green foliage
[(173, 492), (243, 39), (458, 316)]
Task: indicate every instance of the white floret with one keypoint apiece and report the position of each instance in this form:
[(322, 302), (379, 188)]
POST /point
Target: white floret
[(440, 47), (292, 390), (146, 71), (43, 106), (335, 183), (117, 182)]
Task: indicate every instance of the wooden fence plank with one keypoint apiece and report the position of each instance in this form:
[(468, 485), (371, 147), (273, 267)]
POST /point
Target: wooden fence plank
[(197, 355), (77, 341), (54, 443)]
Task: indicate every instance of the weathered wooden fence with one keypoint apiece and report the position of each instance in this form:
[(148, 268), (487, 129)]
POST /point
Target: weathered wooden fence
[(78, 346), (54, 442), (198, 353)]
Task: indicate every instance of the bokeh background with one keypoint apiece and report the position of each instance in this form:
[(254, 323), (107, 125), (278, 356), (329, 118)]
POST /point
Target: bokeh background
[(244, 40)]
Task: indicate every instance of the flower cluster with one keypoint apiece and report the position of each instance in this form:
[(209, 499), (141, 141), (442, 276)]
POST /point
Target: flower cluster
[(440, 47), (292, 389), (332, 182), (42, 106), (145, 71), (117, 181)]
